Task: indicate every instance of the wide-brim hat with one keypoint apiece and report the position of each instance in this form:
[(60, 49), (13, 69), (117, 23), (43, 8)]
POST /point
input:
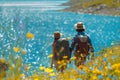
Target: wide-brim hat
[(79, 26), (56, 34)]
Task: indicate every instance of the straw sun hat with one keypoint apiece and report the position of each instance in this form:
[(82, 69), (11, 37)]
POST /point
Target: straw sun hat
[(79, 26)]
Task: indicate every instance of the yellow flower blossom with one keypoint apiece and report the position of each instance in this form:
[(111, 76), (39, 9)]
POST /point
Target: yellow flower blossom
[(111, 52), (42, 68), (73, 58), (81, 66), (59, 62), (22, 75), (96, 71), (36, 79), (62, 61), (24, 52), (29, 35), (2, 60), (11, 67), (107, 78), (116, 66), (81, 55), (65, 57), (16, 49), (105, 55), (52, 74), (86, 69), (117, 71), (94, 78), (50, 56), (64, 64), (48, 70)]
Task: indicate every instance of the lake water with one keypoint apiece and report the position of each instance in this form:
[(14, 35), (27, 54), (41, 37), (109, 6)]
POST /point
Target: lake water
[(40, 18)]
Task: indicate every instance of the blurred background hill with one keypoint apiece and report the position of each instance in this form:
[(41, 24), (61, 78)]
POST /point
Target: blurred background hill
[(108, 7)]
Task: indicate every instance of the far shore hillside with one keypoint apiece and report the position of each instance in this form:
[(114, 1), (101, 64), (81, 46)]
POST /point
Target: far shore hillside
[(104, 7)]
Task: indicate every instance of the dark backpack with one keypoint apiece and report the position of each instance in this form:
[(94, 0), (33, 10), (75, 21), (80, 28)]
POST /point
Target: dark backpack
[(61, 47), (82, 45)]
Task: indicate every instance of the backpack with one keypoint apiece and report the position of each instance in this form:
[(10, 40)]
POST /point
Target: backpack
[(82, 45), (61, 48)]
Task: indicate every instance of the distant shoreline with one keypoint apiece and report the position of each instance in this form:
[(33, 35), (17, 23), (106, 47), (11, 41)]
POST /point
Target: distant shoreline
[(101, 9)]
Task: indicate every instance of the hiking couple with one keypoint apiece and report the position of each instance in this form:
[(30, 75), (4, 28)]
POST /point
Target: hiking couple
[(81, 47)]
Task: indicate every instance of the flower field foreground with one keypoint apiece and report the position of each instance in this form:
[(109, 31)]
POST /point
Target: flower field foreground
[(104, 67)]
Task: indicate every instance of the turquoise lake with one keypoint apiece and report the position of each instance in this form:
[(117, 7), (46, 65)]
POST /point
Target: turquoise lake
[(42, 19)]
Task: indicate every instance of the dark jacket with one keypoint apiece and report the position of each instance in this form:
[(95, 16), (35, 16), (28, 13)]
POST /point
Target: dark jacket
[(74, 42)]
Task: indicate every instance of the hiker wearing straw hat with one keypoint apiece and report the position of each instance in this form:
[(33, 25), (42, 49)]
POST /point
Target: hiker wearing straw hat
[(61, 52), (81, 45)]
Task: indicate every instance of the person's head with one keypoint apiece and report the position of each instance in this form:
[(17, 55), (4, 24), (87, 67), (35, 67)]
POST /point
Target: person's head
[(56, 35), (79, 27)]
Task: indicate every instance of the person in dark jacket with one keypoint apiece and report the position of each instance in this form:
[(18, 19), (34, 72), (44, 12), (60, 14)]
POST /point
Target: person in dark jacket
[(81, 45), (61, 53)]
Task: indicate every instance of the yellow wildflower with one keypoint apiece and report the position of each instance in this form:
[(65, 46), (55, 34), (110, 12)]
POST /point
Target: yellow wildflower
[(73, 58), (94, 78), (65, 57), (64, 64), (115, 66), (24, 51), (106, 68), (62, 61), (96, 71), (29, 35), (86, 69), (22, 75), (81, 66), (107, 78), (50, 56), (111, 52), (2, 60), (59, 62), (105, 55), (16, 49), (81, 55), (48, 70), (36, 78), (117, 72), (42, 68), (11, 67), (52, 74)]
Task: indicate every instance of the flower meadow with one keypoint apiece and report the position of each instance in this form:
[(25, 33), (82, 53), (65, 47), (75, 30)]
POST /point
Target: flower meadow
[(105, 66), (26, 36)]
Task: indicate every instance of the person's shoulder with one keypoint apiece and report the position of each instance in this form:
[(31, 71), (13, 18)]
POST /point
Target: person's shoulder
[(87, 34)]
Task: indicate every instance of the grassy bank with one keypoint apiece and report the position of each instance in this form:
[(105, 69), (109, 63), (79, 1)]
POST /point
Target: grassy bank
[(105, 67), (104, 7)]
